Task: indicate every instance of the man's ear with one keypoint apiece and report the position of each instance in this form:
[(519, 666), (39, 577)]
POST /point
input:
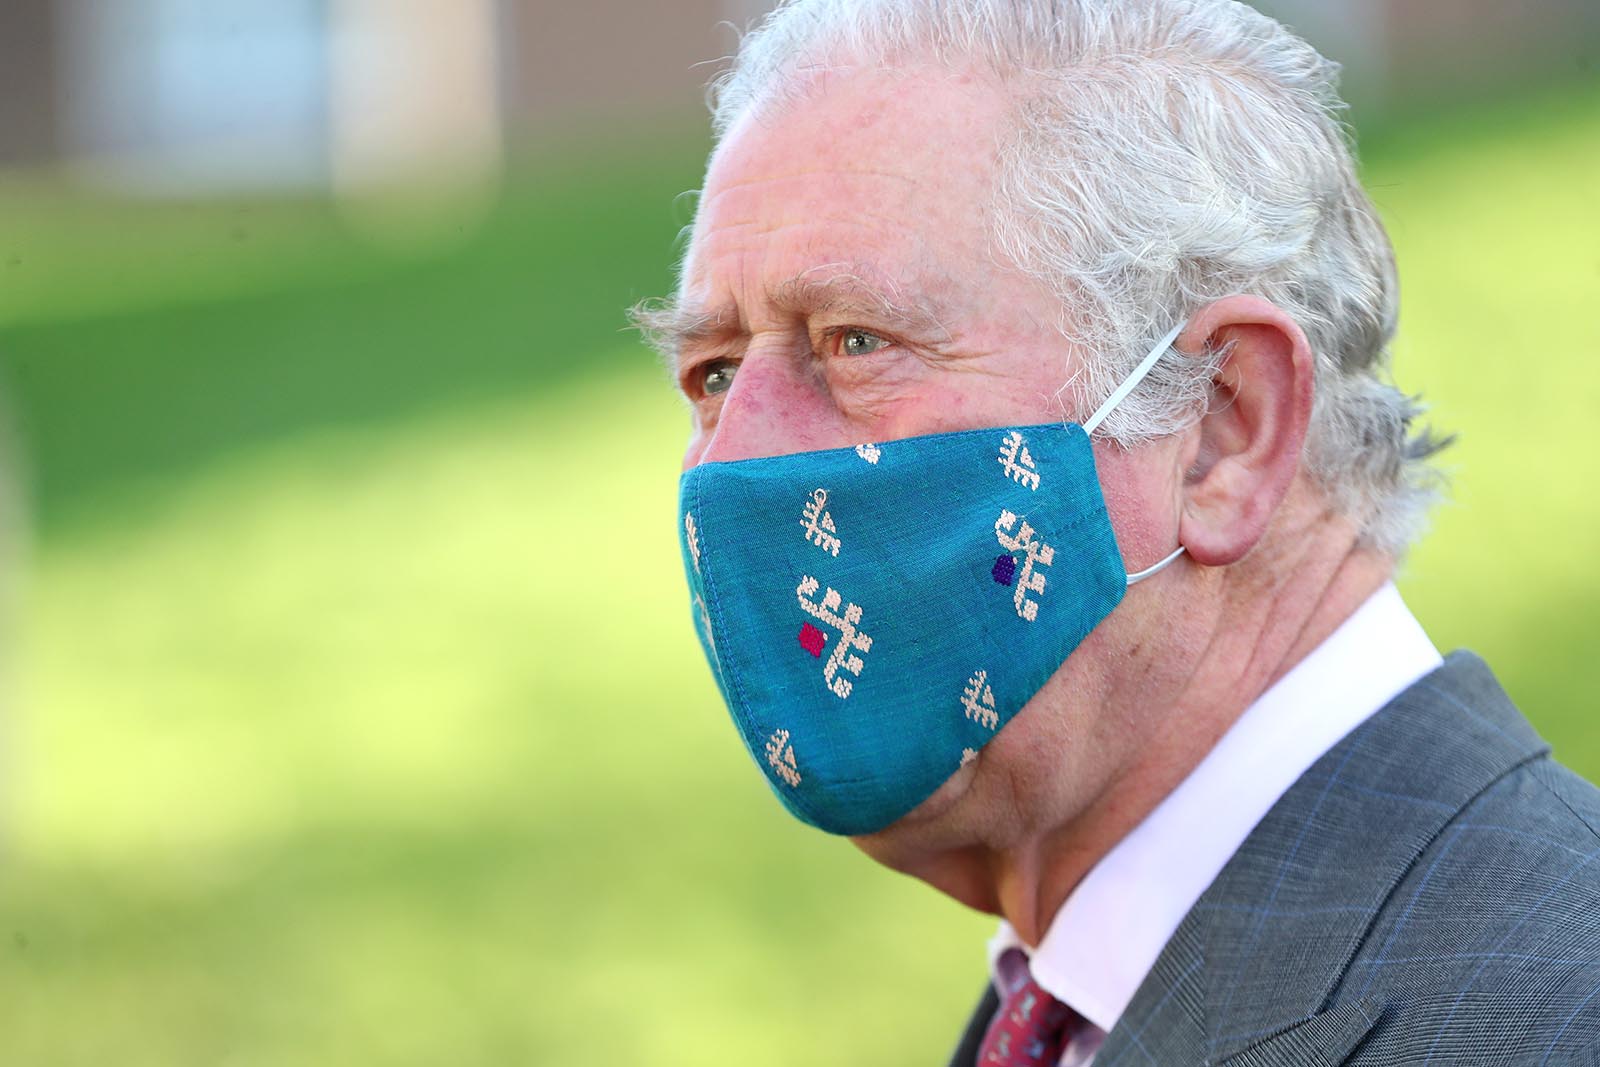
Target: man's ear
[(1245, 452)]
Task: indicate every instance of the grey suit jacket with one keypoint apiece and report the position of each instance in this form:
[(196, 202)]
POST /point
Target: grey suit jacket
[(1427, 893)]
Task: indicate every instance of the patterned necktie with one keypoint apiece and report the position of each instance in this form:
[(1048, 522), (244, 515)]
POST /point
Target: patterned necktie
[(1031, 1029)]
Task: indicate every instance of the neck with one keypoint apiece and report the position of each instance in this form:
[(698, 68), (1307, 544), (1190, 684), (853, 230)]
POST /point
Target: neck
[(1240, 630), (1254, 638)]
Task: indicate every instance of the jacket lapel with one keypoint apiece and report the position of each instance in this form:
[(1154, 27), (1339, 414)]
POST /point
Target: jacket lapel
[(966, 1053), (1249, 978)]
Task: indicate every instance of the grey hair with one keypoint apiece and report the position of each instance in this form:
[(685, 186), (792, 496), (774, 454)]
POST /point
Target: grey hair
[(1164, 154)]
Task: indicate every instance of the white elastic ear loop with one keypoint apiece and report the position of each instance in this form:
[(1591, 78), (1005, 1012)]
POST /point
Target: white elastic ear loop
[(1118, 396), (1132, 381), (1157, 569)]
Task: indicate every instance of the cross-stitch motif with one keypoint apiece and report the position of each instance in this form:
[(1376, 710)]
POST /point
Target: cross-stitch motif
[(850, 638), (812, 640), (1016, 461), (818, 524), (870, 453), (1034, 552), (968, 755), (978, 699), (780, 754), (694, 539), (1004, 570)]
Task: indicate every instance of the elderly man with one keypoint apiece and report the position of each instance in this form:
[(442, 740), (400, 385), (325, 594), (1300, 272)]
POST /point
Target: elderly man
[(1039, 516)]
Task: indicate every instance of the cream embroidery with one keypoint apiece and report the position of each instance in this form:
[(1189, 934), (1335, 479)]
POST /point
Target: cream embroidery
[(1035, 551), (818, 523), (978, 699), (850, 638), (780, 754), (968, 755), (694, 539), (1017, 462), (870, 453)]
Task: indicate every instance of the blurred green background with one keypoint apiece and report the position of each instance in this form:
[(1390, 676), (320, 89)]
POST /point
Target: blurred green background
[(353, 713)]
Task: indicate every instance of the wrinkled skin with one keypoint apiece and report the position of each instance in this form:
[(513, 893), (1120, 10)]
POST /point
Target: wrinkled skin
[(841, 286)]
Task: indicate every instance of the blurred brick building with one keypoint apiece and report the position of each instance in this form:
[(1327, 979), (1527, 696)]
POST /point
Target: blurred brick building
[(572, 63), (29, 109), (289, 92)]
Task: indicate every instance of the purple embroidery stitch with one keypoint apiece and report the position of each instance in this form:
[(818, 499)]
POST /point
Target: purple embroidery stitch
[(1005, 570), (812, 640)]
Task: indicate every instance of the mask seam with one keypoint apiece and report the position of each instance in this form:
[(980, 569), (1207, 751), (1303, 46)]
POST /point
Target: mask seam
[(714, 617), (1084, 519), (730, 677)]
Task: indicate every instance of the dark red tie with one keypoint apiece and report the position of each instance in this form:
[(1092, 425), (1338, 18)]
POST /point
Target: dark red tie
[(1031, 1029)]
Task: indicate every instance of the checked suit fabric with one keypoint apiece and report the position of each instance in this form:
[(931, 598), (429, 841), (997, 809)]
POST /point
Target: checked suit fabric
[(1428, 893)]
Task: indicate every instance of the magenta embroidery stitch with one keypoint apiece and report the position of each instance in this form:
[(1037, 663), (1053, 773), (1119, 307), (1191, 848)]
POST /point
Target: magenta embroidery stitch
[(813, 640), (847, 623)]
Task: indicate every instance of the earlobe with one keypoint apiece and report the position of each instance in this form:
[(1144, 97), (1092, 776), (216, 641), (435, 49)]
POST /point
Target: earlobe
[(1247, 448)]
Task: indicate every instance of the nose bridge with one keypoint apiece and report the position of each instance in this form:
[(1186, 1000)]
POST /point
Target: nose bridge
[(774, 407)]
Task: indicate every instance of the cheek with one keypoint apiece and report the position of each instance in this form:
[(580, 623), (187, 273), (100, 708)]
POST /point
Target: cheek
[(776, 405), (694, 449), (1141, 499), (960, 401), (926, 411)]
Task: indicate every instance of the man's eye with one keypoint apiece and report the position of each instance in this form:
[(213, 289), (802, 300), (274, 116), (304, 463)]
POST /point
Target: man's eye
[(717, 376), (860, 343)]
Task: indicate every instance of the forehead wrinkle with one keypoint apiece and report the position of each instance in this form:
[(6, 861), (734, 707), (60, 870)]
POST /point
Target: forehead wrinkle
[(765, 224), (756, 182)]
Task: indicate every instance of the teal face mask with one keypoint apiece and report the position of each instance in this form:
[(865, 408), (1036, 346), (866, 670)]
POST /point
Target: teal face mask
[(875, 615)]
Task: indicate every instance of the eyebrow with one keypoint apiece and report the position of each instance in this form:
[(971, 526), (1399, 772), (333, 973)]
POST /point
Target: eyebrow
[(669, 325)]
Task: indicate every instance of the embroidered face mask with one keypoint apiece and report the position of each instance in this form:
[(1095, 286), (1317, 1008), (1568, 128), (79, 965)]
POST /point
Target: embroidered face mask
[(874, 615)]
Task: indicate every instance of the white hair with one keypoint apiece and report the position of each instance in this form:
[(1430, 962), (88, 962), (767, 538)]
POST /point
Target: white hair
[(1164, 154)]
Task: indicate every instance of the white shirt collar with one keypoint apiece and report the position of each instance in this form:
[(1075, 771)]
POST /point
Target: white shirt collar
[(1109, 931)]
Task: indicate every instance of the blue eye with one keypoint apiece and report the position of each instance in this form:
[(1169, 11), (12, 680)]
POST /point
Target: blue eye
[(717, 376), (855, 342)]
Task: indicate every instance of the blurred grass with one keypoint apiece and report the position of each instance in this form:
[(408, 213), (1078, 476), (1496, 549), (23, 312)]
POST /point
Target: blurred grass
[(358, 720), (138, 350)]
